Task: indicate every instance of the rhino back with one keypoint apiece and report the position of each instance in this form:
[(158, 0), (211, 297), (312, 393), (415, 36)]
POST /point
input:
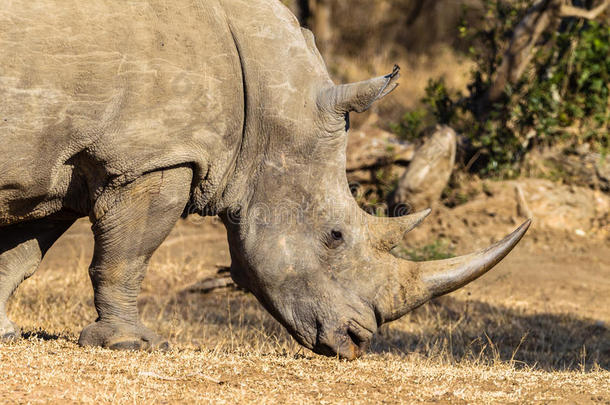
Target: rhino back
[(102, 91)]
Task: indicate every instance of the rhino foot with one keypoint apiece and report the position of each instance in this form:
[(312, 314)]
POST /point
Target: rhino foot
[(9, 331), (120, 336)]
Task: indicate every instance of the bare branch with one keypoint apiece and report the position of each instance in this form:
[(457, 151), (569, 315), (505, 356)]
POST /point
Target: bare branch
[(517, 57), (519, 52), (577, 12), (209, 284)]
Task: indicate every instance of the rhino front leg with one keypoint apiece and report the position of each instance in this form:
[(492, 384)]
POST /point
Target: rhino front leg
[(133, 224), (22, 247)]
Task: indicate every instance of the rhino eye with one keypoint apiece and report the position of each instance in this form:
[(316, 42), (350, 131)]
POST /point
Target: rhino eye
[(333, 239)]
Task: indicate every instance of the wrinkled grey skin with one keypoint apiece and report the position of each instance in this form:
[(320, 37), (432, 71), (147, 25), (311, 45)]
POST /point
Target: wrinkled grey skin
[(134, 114)]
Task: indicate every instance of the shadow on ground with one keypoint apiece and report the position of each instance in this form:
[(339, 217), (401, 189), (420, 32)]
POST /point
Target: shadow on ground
[(445, 329), (473, 330), (43, 335)]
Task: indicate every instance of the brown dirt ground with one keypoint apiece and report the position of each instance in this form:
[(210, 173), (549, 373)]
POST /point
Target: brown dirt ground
[(534, 330)]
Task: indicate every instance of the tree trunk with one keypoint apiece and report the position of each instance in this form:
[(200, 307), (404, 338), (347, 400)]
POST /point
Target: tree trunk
[(303, 12), (319, 14)]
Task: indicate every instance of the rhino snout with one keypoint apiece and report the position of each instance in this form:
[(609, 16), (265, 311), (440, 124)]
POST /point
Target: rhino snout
[(349, 341)]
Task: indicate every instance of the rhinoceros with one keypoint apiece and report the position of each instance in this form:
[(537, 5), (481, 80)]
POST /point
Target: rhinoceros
[(137, 113)]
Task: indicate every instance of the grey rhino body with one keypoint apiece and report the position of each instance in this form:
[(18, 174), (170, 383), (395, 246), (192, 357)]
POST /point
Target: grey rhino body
[(95, 94), (135, 113)]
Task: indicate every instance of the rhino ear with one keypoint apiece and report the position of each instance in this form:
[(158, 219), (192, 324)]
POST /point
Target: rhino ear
[(360, 96)]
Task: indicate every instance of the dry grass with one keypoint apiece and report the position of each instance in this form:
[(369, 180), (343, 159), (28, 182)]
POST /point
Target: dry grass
[(473, 346), (38, 370)]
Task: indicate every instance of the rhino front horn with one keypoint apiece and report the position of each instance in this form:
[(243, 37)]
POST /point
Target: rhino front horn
[(444, 276), (410, 284), (358, 97)]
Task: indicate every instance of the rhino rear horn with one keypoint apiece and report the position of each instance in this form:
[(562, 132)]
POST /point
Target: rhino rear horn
[(358, 97), (387, 232)]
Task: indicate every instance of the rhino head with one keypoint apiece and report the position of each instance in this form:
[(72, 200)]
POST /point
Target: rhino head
[(317, 262)]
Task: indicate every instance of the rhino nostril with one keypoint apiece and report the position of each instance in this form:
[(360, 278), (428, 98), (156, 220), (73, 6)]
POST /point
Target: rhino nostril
[(355, 338), (358, 340)]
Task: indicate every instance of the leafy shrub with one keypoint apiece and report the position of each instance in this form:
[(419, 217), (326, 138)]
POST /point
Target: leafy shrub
[(410, 126), (437, 250), (563, 97)]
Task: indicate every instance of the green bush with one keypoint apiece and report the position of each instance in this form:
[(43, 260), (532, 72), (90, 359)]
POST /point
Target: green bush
[(437, 250), (410, 126), (563, 97)]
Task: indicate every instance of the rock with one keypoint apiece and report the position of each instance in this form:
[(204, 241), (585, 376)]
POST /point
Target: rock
[(372, 147), (560, 213), (602, 167), (578, 166), (428, 173), (554, 207), (566, 207)]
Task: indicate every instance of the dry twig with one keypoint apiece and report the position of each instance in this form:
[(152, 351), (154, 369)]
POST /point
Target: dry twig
[(567, 10)]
